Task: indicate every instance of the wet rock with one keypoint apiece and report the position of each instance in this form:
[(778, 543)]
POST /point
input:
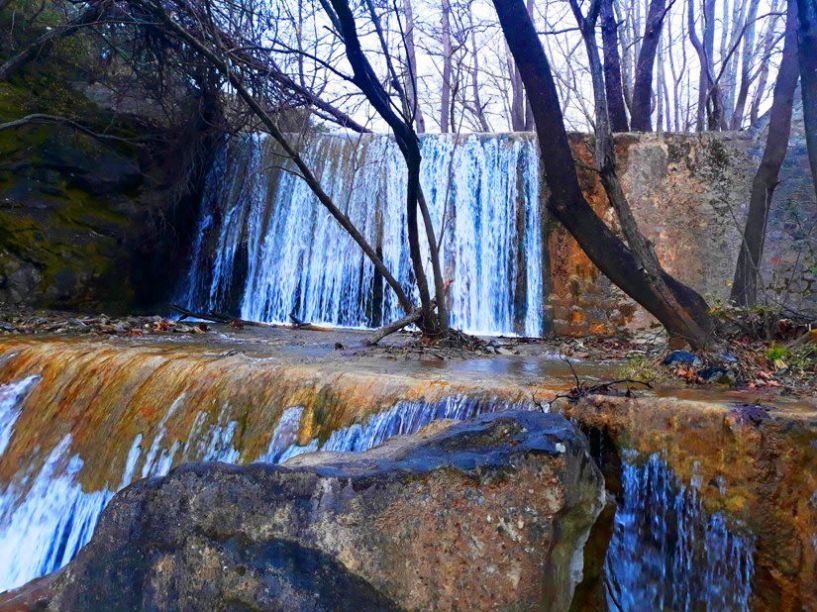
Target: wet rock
[(717, 374), (681, 358), (750, 414), (482, 515)]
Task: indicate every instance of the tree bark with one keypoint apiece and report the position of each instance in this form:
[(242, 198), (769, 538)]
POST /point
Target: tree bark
[(744, 287), (642, 91), (365, 78), (445, 91), (568, 204), (517, 98), (411, 57), (479, 111), (807, 36), (763, 77), (612, 69)]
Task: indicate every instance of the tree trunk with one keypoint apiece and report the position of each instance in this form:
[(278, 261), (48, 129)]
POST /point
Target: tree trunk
[(479, 111), (642, 91), (411, 57), (628, 54), (807, 35), (612, 69), (704, 76), (445, 91), (568, 204), (517, 99), (744, 287), (746, 65), (713, 99), (365, 78), (763, 77), (218, 61)]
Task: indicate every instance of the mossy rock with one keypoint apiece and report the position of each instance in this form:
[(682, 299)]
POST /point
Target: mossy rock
[(79, 214)]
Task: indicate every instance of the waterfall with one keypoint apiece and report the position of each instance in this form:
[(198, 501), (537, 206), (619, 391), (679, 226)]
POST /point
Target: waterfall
[(266, 248), (47, 515), (667, 552), (11, 397), (404, 419), (74, 436)]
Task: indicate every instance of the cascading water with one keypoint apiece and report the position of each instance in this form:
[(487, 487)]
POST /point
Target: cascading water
[(667, 553), (267, 249), (46, 515), (87, 423), (404, 419)]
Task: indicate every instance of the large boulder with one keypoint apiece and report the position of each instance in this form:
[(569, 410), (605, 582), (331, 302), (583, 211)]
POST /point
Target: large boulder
[(488, 514)]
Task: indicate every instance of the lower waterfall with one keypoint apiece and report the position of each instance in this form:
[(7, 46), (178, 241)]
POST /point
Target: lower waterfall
[(46, 516), (73, 435), (266, 248), (667, 553)]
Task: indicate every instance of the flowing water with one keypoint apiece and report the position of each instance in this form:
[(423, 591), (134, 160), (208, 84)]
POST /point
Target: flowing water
[(78, 425), (667, 553), (51, 498), (267, 249)]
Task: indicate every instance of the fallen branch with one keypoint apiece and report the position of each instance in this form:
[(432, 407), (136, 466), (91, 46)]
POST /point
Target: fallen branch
[(582, 389), (391, 328), (40, 118), (215, 317), (297, 323)]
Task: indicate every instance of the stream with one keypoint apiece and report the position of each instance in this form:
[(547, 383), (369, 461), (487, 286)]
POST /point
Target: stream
[(666, 552)]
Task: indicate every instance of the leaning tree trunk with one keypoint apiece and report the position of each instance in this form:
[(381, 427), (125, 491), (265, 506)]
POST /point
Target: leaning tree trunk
[(807, 35), (364, 77), (616, 105), (218, 61), (605, 156), (642, 90), (744, 287), (568, 204)]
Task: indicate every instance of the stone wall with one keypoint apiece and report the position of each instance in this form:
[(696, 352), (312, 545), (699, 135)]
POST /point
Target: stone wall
[(690, 194)]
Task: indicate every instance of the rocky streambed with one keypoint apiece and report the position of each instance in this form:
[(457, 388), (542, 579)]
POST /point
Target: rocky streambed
[(705, 503)]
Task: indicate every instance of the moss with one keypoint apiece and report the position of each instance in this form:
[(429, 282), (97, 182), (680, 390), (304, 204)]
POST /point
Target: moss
[(640, 368)]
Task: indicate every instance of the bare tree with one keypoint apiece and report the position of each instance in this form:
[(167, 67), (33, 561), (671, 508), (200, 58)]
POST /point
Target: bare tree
[(746, 74), (641, 111), (807, 36), (447, 56), (567, 203), (478, 107), (612, 69), (745, 285), (365, 78), (771, 39), (411, 64)]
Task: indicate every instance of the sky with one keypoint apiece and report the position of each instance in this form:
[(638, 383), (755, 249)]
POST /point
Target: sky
[(677, 64)]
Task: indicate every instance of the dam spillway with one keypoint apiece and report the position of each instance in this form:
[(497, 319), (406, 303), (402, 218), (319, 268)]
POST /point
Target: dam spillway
[(266, 248)]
